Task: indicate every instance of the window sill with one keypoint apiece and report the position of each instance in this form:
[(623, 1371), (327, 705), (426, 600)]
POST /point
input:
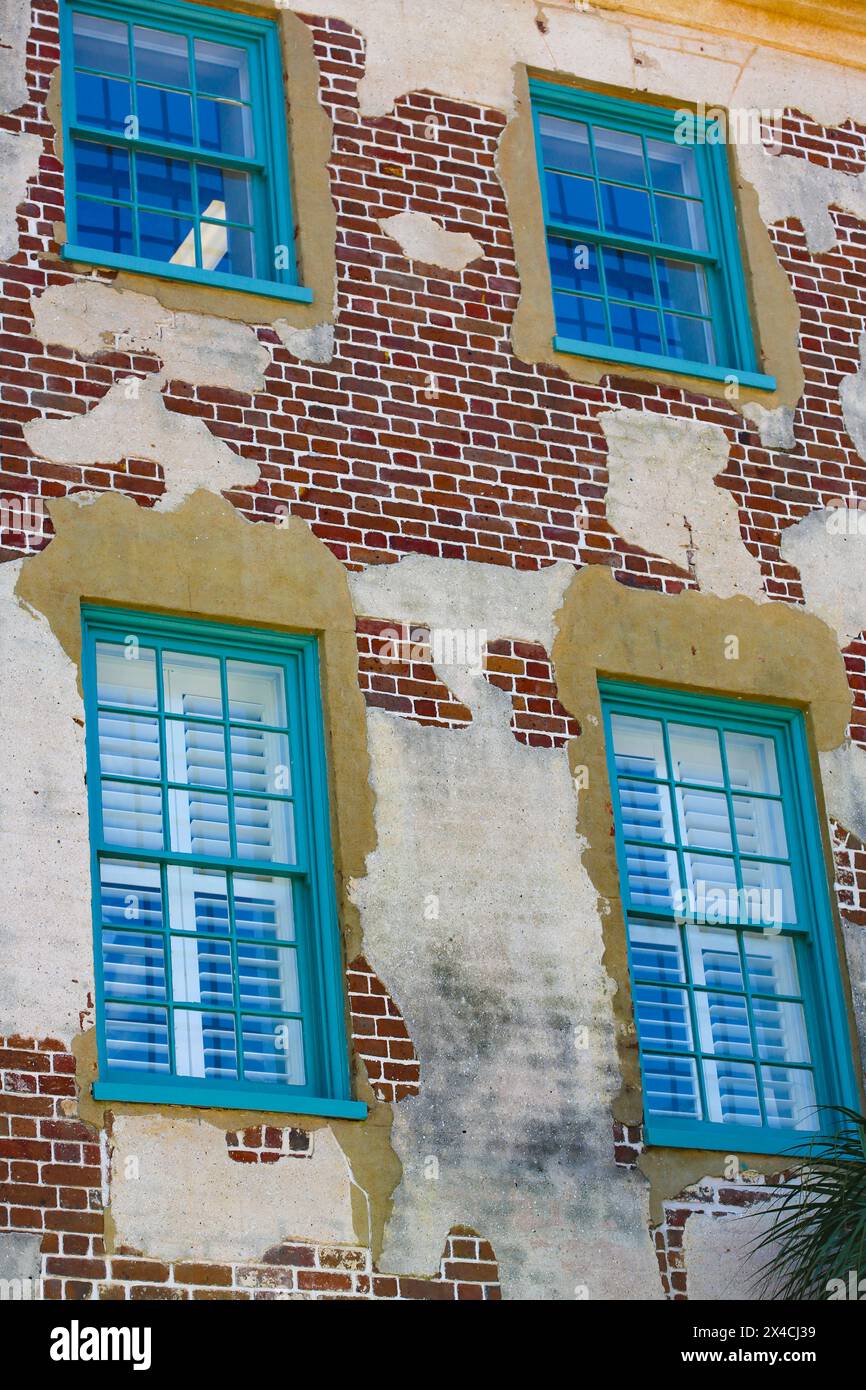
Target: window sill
[(675, 365), (111, 260), (787, 1144), (203, 1098)]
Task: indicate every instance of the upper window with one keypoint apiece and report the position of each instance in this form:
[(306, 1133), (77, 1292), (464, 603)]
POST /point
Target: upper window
[(741, 1020), (642, 237), (175, 147), (217, 952)]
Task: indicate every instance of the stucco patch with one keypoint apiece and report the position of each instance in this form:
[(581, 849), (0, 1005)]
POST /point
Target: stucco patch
[(791, 187), (852, 394), (828, 547), (91, 318), (843, 773), (14, 28), (421, 238), (662, 497), (714, 1255), (45, 929), (19, 162), (131, 421), (213, 1209), (308, 344), (775, 427), (19, 1255)]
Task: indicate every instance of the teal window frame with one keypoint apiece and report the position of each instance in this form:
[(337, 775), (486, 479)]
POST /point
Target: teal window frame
[(814, 934), (272, 199), (722, 261), (326, 1089)]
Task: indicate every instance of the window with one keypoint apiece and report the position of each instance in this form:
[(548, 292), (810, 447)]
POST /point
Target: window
[(175, 147), (642, 237), (741, 1021), (217, 953)]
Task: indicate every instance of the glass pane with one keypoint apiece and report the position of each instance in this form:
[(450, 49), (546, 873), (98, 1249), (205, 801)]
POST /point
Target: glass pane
[(136, 1038), (752, 763), (768, 893), (164, 183), (192, 684), (714, 957), (230, 250), (102, 101), (199, 823), (201, 971), (712, 886), (653, 878), (789, 1097), (723, 1022), (573, 266), (100, 43), (161, 57), (628, 276), (626, 211), (260, 762), (565, 144), (168, 239), (780, 1029), (732, 1093), (638, 745), (132, 815), (221, 71), (133, 964), (257, 693), (681, 222), (129, 746), (690, 339), (204, 1044), (268, 977), (265, 830), (126, 675), (225, 127), (673, 168), (683, 286), (636, 329), (131, 894), (662, 1017), (164, 115), (571, 199), (656, 953), (670, 1087), (646, 811), (703, 819), (197, 900), (772, 965), (214, 245), (263, 908), (695, 755), (273, 1050), (760, 827), (580, 318), (619, 155), (223, 195), (195, 753), (102, 171), (104, 227)]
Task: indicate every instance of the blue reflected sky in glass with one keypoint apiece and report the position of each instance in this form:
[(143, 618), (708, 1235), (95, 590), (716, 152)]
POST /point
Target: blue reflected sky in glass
[(102, 101), (164, 183), (105, 226), (102, 170), (164, 115)]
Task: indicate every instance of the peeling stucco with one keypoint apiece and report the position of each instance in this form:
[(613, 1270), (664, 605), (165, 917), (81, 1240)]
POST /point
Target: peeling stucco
[(14, 28), (828, 547), (775, 427), (19, 162), (852, 394), (843, 773), (662, 497), (715, 1250), (314, 344), (421, 238), (792, 187)]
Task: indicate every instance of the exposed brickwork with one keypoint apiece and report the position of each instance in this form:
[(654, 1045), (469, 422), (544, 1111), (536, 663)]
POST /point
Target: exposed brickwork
[(835, 147), (628, 1144), (267, 1144), (395, 674), (716, 1199), (524, 670), (380, 1036), (849, 855)]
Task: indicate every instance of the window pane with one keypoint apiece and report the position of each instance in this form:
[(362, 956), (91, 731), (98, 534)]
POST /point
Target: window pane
[(573, 266), (619, 155), (732, 1093), (656, 953), (681, 222), (201, 971), (695, 754), (714, 957), (133, 965), (260, 762), (723, 1021), (752, 763), (229, 250), (273, 1050), (223, 195), (265, 830), (580, 318), (670, 1087), (712, 884), (131, 894), (789, 1097), (571, 199), (102, 171), (268, 977), (197, 900), (102, 101), (192, 684), (768, 891), (703, 819), (225, 127), (628, 276), (263, 908), (221, 71), (164, 115), (683, 286), (780, 1029), (126, 675), (565, 144), (257, 693), (132, 815), (204, 1044), (760, 827), (639, 746), (673, 168), (199, 823), (136, 1038), (101, 44), (161, 57), (662, 1016), (165, 238), (129, 746), (164, 183), (653, 877), (690, 339), (646, 811), (104, 227), (638, 330), (772, 965), (626, 211), (195, 753)]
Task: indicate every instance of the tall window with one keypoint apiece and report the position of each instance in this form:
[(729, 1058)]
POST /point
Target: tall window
[(642, 236), (740, 1014), (218, 963), (175, 147)]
